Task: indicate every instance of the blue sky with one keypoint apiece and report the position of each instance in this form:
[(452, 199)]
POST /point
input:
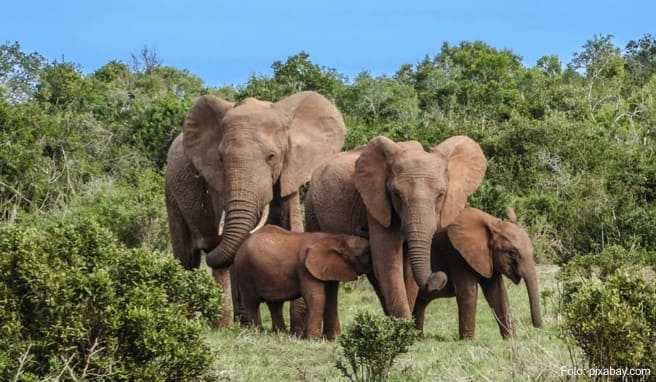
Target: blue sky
[(224, 42)]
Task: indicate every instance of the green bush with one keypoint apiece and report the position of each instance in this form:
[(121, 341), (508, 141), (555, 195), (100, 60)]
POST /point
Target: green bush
[(76, 302), (132, 209), (613, 319), (371, 344)]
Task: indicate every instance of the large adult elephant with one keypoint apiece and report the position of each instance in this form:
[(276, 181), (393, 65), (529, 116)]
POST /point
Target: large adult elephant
[(235, 159), (398, 195)]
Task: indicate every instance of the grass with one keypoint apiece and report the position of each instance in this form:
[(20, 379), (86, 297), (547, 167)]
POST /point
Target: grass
[(534, 354)]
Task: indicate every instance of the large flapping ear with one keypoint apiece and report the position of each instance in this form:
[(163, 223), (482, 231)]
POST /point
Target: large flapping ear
[(470, 234), (327, 264), (466, 166), (316, 132), (371, 177), (510, 212), (202, 135)]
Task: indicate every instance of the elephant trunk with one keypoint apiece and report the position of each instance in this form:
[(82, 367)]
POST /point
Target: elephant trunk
[(531, 280), (419, 242), (241, 217)]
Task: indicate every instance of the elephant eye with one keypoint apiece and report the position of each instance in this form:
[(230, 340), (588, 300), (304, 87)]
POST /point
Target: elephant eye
[(270, 157)]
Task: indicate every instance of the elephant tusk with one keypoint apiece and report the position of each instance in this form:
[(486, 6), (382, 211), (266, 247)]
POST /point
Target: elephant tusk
[(263, 219), (221, 223)]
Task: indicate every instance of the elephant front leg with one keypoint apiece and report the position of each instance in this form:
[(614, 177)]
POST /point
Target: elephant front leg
[(331, 327), (466, 289), (315, 296), (292, 220), (222, 278), (387, 261), (497, 297)]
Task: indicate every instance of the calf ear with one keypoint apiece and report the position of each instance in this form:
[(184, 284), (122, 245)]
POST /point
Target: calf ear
[(327, 264), (470, 235)]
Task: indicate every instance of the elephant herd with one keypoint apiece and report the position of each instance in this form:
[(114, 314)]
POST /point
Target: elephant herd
[(390, 210)]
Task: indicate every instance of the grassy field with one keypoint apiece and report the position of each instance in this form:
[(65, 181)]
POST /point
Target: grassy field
[(248, 355)]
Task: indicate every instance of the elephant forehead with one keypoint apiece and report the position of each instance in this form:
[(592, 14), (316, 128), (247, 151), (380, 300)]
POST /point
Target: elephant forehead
[(517, 237), (253, 118), (415, 164)]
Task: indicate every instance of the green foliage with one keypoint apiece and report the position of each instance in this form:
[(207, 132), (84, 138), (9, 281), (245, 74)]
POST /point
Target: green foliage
[(613, 319), (76, 302), (371, 344)]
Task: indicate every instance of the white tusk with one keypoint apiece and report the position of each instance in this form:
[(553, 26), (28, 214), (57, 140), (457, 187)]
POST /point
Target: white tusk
[(221, 223), (263, 219)]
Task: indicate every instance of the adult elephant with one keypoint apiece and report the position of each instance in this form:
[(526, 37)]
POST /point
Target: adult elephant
[(398, 195), (235, 159), (476, 250)]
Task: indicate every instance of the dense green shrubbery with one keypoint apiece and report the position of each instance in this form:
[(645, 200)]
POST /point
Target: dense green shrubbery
[(76, 302), (371, 344), (612, 318), (609, 306)]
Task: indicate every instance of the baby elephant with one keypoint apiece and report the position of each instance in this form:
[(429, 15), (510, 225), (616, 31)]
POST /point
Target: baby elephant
[(275, 265), (476, 250)]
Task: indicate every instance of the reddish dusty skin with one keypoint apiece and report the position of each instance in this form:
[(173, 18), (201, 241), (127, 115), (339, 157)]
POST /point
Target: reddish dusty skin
[(477, 249), (398, 195), (275, 265), (236, 159)]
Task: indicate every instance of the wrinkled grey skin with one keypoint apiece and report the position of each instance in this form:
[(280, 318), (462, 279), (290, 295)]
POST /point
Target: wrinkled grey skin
[(236, 159)]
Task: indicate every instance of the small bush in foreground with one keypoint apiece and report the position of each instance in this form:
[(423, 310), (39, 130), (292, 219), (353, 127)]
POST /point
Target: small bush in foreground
[(75, 303), (371, 344), (613, 319)]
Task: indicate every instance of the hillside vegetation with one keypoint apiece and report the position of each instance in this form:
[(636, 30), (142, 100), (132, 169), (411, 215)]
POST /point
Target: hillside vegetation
[(571, 146)]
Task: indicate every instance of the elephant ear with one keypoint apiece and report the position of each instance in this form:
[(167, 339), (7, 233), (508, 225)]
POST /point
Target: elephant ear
[(326, 264), (470, 234), (202, 134), (371, 177), (316, 131), (466, 166)]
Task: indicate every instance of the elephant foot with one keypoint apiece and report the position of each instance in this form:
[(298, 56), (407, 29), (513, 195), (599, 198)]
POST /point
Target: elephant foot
[(437, 281)]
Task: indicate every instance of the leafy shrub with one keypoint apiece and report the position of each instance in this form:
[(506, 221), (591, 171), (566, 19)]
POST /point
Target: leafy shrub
[(75, 302), (132, 209), (613, 319), (371, 344)]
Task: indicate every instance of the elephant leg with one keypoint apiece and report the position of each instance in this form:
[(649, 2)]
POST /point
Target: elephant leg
[(315, 296), (222, 278), (181, 241), (278, 323), (331, 327), (411, 287), (292, 220), (419, 311), (497, 297), (466, 288), (251, 306), (297, 312), (374, 284), (387, 261)]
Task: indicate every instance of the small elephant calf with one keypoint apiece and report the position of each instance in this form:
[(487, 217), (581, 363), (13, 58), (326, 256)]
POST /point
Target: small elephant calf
[(476, 250), (275, 265)]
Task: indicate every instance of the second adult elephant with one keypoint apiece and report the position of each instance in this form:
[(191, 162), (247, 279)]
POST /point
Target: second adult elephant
[(398, 195), (236, 159)]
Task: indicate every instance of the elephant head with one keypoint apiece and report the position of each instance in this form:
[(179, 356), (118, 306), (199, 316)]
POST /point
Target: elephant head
[(339, 259), (242, 150), (418, 192), (489, 244)]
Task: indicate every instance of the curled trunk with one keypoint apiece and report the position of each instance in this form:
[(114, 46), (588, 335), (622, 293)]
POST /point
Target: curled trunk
[(419, 248), (241, 218)]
